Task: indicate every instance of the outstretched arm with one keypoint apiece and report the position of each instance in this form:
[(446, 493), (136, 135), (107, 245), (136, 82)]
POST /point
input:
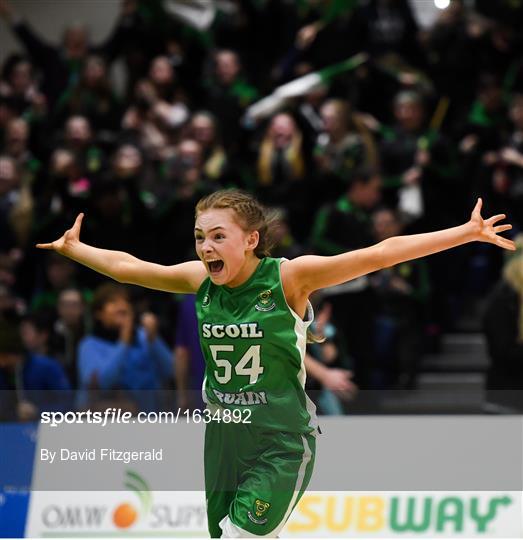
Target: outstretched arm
[(310, 272), (125, 268)]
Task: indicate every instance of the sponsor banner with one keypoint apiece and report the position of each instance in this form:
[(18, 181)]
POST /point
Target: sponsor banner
[(426, 514), (140, 513), (136, 512)]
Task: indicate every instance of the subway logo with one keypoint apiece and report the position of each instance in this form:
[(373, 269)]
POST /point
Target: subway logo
[(404, 514)]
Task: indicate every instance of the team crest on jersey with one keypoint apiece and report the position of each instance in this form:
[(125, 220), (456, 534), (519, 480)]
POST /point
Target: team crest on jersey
[(265, 301), (206, 300), (260, 507)]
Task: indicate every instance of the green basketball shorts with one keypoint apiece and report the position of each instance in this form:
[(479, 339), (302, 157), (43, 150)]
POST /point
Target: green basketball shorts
[(254, 477)]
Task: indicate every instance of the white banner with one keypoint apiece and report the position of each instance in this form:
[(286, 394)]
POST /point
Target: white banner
[(319, 514)]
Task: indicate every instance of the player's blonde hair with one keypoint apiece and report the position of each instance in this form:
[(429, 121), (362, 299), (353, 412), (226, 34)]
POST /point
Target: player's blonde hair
[(251, 216), (250, 213)]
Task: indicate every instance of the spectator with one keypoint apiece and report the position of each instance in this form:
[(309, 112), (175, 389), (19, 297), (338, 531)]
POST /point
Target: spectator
[(417, 166), (121, 362), (16, 203), (19, 88), (340, 227), (190, 364), (228, 95), (29, 383), (204, 129), (402, 293), (59, 275), (503, 324), (283, 173), (93, 98), (68, 330), (61, 65), (345, 145), (327, 364)]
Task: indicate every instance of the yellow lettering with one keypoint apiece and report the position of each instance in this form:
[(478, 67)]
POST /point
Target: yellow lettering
[(371, 514), (346, 516), (305, 508)]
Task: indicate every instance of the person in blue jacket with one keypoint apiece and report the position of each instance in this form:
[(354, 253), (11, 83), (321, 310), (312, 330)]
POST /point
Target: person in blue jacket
[(122, 356), (29, 383)]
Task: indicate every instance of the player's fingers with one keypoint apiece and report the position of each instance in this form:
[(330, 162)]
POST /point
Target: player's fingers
[(505, 243), (78, 222), (495, 219), (502, 228), (477, 208), (44, 246)]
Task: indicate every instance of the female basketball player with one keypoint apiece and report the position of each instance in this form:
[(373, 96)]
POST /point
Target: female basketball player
[(253, 315)]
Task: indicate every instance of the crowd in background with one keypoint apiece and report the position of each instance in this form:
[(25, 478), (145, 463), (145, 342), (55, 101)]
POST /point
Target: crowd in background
[(404, 141)]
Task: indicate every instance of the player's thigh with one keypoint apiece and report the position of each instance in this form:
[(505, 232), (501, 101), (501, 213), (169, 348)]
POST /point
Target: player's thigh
[(272, 486)]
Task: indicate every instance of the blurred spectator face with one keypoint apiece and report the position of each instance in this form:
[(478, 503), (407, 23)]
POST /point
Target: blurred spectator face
[(75, 42), (94, 72), (21, 77), (128, 161), (33, 338), (62, 163), (17, 136), (8, 176), (282, 130), (114, 313), (161, 72), (409, 112), (71, 307), (334, 118), (516, 111), (60, 272), (366, 194), (190, 153), (203, 129), (386, 224), (227, 67), (78, 131)]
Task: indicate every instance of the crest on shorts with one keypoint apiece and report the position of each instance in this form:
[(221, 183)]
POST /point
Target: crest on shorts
[(259, 509), (206, 300), (265, 301)]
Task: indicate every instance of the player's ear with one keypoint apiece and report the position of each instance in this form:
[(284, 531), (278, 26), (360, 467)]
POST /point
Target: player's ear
[(252, 240)]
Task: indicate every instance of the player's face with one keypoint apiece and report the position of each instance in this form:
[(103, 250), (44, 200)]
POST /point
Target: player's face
[(222, 245)]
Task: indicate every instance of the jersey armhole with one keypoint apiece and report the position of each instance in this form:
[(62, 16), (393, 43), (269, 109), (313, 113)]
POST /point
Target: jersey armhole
[(309, 311)]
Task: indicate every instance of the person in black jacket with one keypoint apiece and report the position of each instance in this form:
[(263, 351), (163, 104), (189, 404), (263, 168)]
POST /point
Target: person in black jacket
[(503, 324)]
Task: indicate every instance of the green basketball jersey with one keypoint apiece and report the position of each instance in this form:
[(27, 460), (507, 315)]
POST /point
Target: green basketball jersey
[(254, 348)]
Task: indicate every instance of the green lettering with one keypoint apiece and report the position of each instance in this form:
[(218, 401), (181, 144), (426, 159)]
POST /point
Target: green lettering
[(483, 520), (450, 510), (409, 523)]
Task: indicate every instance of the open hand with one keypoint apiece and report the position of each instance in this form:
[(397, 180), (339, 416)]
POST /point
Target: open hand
[(70, 238), (486, 230), (339, 381)]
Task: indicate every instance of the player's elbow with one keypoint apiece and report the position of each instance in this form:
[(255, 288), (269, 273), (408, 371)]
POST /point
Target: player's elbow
[(381, 256)]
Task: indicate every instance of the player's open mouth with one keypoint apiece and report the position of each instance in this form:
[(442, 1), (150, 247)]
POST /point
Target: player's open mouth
[(215, 266)]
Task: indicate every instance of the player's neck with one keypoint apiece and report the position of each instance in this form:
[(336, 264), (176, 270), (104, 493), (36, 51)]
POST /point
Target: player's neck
[(247, 270)]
